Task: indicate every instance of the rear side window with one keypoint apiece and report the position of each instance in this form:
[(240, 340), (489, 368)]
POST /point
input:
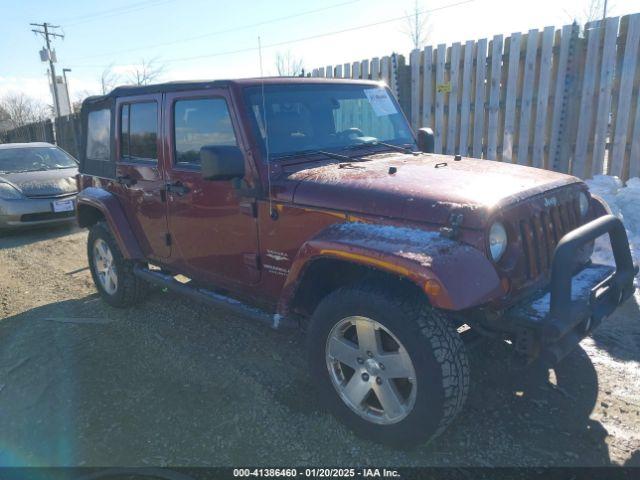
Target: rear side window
[(139, 131), (99, 135), (200, 122)]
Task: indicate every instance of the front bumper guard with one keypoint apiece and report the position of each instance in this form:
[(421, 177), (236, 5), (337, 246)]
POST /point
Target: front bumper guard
[(572, 315)]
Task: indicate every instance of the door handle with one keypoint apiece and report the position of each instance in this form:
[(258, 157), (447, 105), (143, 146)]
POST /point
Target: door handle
[(178, 188), (126, 180)]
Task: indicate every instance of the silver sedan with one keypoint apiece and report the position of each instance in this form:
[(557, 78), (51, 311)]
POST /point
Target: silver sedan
[(37, 185)]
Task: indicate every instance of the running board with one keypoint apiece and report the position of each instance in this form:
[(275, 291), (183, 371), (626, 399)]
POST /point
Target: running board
[(274, 321)]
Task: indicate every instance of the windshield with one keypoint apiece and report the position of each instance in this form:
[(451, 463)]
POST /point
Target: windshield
[(304, 118), (31, 159)]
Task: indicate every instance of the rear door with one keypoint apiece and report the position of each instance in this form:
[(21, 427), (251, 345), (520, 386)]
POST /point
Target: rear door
[(139, 182), (213, 230)]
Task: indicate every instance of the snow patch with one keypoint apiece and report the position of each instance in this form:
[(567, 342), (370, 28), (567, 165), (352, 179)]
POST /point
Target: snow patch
[(421, 246), (624, 202)]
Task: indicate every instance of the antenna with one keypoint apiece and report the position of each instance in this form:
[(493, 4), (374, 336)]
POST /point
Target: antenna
[(272, 212)]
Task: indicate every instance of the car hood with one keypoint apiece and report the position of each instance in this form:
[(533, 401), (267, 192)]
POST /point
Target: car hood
[(48, 183), (423, 188)]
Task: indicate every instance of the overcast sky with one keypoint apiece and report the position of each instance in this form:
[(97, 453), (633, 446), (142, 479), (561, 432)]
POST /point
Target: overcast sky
[(196, 39)]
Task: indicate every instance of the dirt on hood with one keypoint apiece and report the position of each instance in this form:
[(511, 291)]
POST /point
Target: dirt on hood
[(423, 187)]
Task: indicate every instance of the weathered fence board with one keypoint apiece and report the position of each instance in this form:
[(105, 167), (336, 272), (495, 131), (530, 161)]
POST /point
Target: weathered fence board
[(585, 126), (494, 97), (527, 96), (628, 74), (441, 53), (542, 103), (480, 95), (465, 106), (510, 97), (452, 113), (427, 87), (604, 93)]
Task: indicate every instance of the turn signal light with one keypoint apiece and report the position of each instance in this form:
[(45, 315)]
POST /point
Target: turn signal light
[(432, 287)]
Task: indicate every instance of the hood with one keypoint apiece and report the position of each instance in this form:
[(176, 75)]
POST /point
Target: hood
[(47, 183), (424, 188)]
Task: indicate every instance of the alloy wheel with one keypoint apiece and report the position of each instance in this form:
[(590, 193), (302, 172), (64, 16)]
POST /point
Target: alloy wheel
[(105, 266), (371, 370)]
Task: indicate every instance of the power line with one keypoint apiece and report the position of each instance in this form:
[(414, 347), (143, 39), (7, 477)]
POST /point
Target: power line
[(320, 35), (113, 12), (302, 39), (220, 32)]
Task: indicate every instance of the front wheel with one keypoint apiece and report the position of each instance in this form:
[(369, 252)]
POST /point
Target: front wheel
[(389, 366), (112, 273)]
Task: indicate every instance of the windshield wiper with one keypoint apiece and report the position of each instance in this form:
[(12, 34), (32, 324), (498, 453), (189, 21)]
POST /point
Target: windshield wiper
[(308, 153), (378, 142)]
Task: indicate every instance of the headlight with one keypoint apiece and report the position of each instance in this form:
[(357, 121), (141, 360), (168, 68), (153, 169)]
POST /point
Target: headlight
[(497, 241), (584, 204), (9, 192)]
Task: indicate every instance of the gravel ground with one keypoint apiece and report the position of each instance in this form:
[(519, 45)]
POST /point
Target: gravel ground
[(171, 382)]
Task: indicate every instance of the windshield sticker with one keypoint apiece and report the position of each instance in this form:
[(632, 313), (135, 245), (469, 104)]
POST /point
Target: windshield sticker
[(380, 102)]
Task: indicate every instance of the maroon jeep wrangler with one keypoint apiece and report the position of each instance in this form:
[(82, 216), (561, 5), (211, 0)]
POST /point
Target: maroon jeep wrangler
[(311, 202)]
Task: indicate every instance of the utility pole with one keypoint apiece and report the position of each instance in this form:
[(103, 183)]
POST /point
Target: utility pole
[(604, 10), (46, 34)]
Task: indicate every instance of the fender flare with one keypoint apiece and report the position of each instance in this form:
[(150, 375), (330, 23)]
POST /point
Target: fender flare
[(453, 275), (111, 209)]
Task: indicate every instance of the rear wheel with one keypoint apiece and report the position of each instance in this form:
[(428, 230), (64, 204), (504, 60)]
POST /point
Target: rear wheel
[(388, 365), (112, 273)]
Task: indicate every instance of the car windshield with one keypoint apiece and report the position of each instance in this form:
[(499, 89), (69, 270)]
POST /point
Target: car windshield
[(325, 117), (31, 159)]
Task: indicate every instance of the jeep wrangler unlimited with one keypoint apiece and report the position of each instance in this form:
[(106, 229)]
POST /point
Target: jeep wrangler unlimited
[(311, 202)]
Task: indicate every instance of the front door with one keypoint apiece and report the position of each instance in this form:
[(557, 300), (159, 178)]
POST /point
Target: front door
[(213, 230), (139, 182)]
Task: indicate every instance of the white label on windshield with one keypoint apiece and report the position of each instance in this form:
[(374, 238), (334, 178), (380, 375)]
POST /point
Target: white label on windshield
[(380, 102)]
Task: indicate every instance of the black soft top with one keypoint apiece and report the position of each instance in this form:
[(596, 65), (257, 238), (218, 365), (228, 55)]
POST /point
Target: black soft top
[(131, 90)]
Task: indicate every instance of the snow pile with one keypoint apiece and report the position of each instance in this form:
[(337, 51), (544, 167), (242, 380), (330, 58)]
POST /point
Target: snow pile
[(624, 202)]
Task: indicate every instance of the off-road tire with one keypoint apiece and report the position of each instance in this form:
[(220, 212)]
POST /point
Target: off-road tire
[(431, 340), (131, 289)]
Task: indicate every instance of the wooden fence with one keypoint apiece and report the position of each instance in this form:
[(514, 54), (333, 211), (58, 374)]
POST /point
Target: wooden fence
[(64, 132), (561, 99)]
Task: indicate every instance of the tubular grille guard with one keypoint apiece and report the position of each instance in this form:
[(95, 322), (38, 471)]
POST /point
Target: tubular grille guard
[(606, 296)]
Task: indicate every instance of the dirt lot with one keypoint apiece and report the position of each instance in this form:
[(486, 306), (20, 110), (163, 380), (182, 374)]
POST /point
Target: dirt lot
[(175, 383)]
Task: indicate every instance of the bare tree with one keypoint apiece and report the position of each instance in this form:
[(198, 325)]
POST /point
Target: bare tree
[(146, 72), (596, 10), (108, 79), (417, 26), (76, 104), (288, 65), (593, 11), (20, 109)]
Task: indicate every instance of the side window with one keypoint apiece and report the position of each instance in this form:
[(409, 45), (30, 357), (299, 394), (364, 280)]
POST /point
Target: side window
[(199, 122), (139, 131), (99, 135)]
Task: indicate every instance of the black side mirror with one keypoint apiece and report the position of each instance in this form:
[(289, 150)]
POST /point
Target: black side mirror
[(426, 140), (221, 162)]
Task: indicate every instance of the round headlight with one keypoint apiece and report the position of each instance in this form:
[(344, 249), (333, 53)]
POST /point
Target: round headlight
[(9, 192), (584, 204), (497, 241)]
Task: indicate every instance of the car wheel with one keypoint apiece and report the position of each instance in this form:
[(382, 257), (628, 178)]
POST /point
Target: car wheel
[(388, 365), (112, 273)]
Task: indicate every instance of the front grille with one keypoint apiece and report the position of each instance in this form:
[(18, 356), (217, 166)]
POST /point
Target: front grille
[(541, 233), (39, 217)]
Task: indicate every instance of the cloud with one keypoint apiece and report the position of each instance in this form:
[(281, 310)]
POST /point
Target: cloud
[(36, 87)]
